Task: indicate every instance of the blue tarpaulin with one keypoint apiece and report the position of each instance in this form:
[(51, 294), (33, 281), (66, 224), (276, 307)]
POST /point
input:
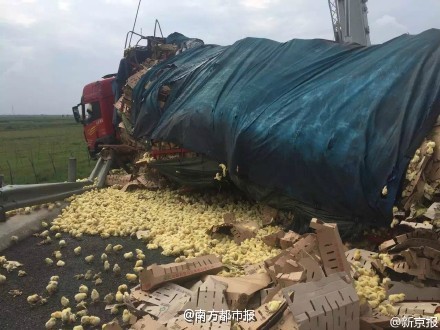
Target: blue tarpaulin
[(325, 124)]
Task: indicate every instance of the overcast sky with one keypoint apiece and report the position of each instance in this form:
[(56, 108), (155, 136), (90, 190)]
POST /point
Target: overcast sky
[(49, 49)]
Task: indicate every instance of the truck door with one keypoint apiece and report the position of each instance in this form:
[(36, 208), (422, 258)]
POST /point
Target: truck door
[(92, 123)]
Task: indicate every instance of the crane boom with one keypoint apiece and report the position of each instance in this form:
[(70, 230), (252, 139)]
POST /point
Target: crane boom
[(350, 21)]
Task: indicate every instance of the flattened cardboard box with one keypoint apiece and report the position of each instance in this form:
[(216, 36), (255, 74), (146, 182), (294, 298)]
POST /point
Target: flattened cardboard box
[(165, 302), (419, 308), (413, 292), (263, 315), (147, 323), (425, 234), (240, 289), (329, 304), (254, 269), (210, 296), (113, 179), (155, 275)]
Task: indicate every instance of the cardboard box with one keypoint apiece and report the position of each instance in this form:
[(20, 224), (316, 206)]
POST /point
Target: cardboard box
[(331, 248), (329, 304), (289, 239), (155, 275)]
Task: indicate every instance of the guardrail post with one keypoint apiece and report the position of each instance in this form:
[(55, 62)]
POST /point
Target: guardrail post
[(71, 170), (2, 214)]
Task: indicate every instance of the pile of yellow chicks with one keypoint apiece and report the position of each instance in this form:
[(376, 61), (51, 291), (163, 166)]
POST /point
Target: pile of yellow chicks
[(177, 223), (371, 289)]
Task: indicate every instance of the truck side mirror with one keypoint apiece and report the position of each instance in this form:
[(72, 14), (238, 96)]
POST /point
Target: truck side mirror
[(76, 114)]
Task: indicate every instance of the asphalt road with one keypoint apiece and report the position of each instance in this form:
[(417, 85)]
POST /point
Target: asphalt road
[(16, 313)]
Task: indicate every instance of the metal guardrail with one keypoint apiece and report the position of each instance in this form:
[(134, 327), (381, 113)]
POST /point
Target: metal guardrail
[(16, 196)]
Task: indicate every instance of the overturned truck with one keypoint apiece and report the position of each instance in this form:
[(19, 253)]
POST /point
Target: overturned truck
[(337, 131)]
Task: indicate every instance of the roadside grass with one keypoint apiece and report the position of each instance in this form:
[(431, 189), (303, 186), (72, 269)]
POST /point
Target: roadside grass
[(36, 149)]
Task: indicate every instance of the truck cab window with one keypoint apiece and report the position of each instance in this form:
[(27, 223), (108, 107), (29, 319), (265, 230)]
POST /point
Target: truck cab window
[(93, 111)]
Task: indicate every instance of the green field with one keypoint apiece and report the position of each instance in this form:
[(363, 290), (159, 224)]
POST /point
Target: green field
[(36, 149)]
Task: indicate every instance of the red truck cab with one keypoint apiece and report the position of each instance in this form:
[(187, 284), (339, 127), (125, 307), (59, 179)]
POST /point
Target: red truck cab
[(95, 112)]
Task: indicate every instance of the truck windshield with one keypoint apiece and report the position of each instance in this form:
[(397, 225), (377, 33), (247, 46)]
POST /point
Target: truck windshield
[(93, 111)]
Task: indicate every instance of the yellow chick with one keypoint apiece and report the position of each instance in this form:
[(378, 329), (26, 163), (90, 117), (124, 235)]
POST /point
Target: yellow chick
[(52, 287), (85, 320), (98, 281), (116, 269), (391, 310), (82, 313), (65, 315), (78, 327), (114, 310), (81, 305), (274, 305), (57, 254), (106, 265), (77, 250), (64, 301), (60, 263), (119, 297), (396, 298), (103, 257), (108, 298), (374, 303), (131, 277), (83, 289), (128, 255), (123, 288), (2, 279), (94, 295), (44, 233), (88, 275), (58, 235), (109, 248), (117, 248), (80, 297), (357, 255), (51, 323), (137, 270), (56, 315), (89, 258), (48, 261), (62, 243), (94, 320), (126, 316)]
